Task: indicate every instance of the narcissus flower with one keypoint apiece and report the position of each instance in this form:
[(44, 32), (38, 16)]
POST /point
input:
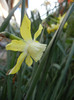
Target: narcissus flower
[(52, 28), (49, 30), (60, 18), (30, 48)]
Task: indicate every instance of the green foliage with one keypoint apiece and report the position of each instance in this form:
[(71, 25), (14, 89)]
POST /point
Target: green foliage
[(70, 28)]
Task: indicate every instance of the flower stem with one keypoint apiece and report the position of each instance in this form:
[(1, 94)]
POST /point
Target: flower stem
[(9, 35), (22, 10)]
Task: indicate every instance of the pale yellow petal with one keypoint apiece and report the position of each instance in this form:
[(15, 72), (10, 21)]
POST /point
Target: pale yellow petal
[(61, 18), (38, 32), (25, 29), (16, 45), (49, 30), (54, 27), (20, 59), (65, 25), (29, 60), (36, 49)]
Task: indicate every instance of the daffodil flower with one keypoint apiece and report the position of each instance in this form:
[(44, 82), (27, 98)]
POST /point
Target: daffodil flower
[(30, 48), (52, 28), (60, 18)]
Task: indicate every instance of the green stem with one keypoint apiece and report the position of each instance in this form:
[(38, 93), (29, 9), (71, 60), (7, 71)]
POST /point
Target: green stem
[(54, 19), (63, 73), (10, 64), (22, 10), (18, 94), (9, 35)]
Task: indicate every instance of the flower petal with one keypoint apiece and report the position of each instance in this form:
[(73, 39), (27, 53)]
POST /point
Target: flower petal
[(29, 60), (16, 45), (36, 49), (25, 29), (18, 64), (38, 32)]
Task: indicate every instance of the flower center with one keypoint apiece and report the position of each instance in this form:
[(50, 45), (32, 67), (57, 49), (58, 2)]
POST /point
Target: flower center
[(27, 46)]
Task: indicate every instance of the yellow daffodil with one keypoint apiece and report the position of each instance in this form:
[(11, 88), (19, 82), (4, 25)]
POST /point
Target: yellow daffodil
[(49, 30), (30, 48), (61, 18), (52, 28), (65, 25)]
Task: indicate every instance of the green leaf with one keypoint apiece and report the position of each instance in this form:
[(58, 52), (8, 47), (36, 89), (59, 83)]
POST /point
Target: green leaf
[(61, 48), (63, 74)]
